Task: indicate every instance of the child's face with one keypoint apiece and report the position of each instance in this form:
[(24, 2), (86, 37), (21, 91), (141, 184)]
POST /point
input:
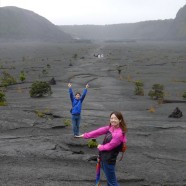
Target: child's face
[(114, 121), (77, 96)]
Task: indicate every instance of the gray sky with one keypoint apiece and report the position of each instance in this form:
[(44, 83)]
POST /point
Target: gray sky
[(99, 12)]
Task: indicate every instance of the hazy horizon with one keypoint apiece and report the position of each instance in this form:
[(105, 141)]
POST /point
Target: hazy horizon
[(102, 12)]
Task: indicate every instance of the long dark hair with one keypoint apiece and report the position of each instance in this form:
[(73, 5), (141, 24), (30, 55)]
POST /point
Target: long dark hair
[(122, 123)]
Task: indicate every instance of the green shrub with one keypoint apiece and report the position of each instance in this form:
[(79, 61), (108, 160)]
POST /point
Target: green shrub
[(40, 89), (7, 79), (139, 88), (184, 95), (2, 99), (157, 92), (40, 113), (67, 122), (92, 143), (22, 76), (3, 103)]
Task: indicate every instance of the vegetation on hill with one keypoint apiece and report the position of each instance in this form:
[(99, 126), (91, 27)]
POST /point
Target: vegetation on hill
[(171, 29), (40, 89), (25, 25)]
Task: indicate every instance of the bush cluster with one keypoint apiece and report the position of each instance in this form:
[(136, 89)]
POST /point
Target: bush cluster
[(2, 99), (67, 122), (22, 76), (7, 79), (92, 143), (157, 92), (40, 89), (139, 88)]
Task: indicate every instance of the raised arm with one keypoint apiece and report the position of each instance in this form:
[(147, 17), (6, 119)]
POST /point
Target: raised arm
[(84, 92), (70, 92)]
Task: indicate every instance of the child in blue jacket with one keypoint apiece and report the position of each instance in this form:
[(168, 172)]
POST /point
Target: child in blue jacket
[(76, 101)]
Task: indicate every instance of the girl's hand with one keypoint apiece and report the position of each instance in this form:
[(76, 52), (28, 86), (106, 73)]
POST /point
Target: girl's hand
[(98, 146), (69, 85), (80, 136)]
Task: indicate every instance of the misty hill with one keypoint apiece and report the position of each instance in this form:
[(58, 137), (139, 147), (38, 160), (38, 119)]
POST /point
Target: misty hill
[(171, 29), (178, 27), (131, 31), (24, 25)]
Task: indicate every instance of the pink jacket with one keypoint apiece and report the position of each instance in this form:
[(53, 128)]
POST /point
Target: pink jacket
[(117, 137)]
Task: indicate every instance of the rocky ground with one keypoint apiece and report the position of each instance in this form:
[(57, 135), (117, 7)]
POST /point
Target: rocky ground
[(41, 151)]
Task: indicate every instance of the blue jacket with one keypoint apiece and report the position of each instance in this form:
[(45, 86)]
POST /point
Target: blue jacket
[(76, 103)]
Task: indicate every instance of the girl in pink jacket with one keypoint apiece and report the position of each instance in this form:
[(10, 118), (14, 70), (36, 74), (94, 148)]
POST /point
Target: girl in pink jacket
[(115, 136)]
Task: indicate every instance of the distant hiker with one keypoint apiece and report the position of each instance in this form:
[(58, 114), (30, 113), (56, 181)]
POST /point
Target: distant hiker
[(76, 101), (115, 137), (177, 113), (99, 55)]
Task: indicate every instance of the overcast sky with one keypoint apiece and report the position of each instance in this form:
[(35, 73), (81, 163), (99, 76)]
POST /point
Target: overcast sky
[(99, 12)]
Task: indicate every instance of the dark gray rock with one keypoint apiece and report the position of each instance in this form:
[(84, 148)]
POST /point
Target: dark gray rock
[(39, 149)]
